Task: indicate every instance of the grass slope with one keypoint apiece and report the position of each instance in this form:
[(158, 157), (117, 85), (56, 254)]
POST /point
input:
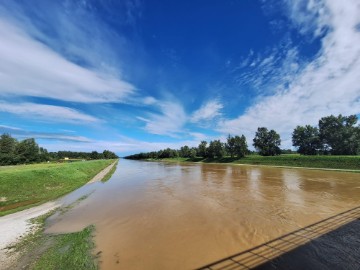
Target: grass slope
[(68, 251), (55, 251), (290, 160), (110, 173), (28, 185)]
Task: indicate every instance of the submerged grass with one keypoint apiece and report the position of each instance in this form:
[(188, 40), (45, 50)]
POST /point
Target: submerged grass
[(25, 186), (286, 160), (68, 251), (110, 173), (62, 251)]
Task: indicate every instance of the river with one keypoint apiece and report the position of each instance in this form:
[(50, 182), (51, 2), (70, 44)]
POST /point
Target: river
[(155, 215)]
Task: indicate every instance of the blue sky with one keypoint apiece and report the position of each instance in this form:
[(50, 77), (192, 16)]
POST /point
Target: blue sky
[(134, 75)]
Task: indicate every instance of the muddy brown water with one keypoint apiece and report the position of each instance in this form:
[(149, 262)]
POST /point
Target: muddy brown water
[(153, 215)]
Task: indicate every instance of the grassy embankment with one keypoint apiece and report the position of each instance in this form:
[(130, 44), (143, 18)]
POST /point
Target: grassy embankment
[(286, 160), (47, 251), (68, 251), (110, 173), (24, 186), (59, 251)]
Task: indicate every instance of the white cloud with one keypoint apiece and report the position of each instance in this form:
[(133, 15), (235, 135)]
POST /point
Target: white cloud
[(169, 122), (327, 85), (57, 137), (264, 72), (23, 133), (308, 16), (149, 100), (207, 111), (9, 128), (123, 145), (47, 112), (199, 136), (30, 68)]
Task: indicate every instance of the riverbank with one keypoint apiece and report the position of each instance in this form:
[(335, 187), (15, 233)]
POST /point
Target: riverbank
[(26, 186), (343, 163), (23, 231), (34, 249)]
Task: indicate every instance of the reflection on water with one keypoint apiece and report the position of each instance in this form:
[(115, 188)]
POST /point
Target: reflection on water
[(181, 216)]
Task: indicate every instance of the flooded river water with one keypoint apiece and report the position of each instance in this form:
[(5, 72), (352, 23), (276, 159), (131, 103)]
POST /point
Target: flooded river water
[(153, 215)]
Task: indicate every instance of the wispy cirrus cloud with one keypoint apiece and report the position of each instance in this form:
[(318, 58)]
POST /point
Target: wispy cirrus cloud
[(64, 141), (326, 85), (199, 136), (67, 53), (169, 121), (266, 71), (47, 112), (207, 111), (172, 118), (30, 68), (23, 133), (309, 17)]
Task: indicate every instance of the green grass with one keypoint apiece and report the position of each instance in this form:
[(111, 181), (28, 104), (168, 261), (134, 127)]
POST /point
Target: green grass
[(287, 160), (69, 251), (27, 185), (110, 173), (41, 251)]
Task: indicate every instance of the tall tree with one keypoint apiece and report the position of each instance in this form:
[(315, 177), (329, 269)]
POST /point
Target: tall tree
[(193, 152), (167, 153), (307, 140), (230, 145), (7, 144), (267, 142), (202, 149), (340, 135), (7, 149), (184, 151), (94, 155), (43, 154), (215, 149), (109, 155), (240, 146), (28, 151)]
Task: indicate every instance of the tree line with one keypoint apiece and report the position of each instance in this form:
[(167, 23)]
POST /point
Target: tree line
[(27, 151), (335, 135)]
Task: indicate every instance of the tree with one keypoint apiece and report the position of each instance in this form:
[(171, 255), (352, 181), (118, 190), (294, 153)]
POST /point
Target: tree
[(193, 152), (240, 146), (230, 145), (339, 134), (7, 144), (109, 155), (94, 155), (202, 149), (27, 151), (43, 154), (267, 142), (215, 149), (307, 140), (167, 153), (184, 151), (7, 149)]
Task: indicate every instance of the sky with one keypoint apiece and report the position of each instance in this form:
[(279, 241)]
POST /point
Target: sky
[(133, 76)]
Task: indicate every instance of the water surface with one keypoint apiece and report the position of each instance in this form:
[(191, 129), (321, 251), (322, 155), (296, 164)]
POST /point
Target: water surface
[(153, 215)]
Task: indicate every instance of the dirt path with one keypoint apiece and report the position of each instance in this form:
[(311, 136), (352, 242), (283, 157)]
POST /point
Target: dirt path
[(17, 225), (102, 174)]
